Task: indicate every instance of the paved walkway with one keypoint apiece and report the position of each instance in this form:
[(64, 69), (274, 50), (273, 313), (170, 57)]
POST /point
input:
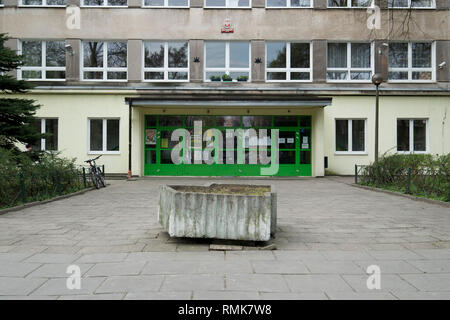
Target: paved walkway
[(329, 233)]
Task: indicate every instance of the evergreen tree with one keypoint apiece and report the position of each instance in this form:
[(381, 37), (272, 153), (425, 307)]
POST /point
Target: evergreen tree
[(16, 114)]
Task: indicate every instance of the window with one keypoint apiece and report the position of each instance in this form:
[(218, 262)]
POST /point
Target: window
[(48, 126), (52, 3), (288, 61), (411, 3), (105, 3), (43, 60), (166, 3), (349, 3), (104, 61), (412, 135), (349, 62), (351, 136), (288, 3), (166, 61), (227, 3), (103, 135), (411, 61), (231, 58)]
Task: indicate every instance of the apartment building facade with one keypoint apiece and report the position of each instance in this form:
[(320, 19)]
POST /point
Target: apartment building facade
[(118, 77)]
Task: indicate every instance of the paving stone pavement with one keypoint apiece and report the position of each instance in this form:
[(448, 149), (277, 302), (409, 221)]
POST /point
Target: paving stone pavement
[(329, 232)]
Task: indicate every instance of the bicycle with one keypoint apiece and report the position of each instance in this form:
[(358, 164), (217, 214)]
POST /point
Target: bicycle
[(96, 173)]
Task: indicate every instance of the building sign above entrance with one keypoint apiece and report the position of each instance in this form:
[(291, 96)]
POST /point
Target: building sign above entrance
[(227, 26)]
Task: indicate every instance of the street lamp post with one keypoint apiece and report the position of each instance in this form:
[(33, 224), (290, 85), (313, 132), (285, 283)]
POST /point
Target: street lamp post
[(377, 79)]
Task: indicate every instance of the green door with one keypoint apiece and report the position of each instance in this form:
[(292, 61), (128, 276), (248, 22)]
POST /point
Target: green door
[(294, 145)]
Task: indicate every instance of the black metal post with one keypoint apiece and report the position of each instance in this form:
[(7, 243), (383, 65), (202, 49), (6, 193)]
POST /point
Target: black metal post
[(376, 123), (129, 138), (356, 174)]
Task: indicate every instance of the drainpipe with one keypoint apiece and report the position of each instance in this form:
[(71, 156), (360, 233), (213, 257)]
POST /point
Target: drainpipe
[(130, 105)]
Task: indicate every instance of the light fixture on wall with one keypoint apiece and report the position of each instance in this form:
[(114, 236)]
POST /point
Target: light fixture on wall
[(258, 60), (69, 49), (442, 65), (196, 59)]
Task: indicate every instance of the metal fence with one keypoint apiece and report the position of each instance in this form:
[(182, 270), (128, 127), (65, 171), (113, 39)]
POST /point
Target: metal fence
[(30, 186)]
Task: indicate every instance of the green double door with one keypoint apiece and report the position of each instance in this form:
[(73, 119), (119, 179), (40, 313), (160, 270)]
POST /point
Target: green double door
[(294, 143)]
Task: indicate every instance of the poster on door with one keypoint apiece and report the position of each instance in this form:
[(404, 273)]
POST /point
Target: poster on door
[(305, 143), (150, 136)]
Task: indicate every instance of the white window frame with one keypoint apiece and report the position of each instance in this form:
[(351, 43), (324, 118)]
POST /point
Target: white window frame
[(433, 6), (410, 69), (44, 4), (227, 5), (43, 126), (349, 5), (43, 68), (411, 136), (166, 68), (104, 136), (166, 5), (288, 68), (350, 137), (105, 67), (227, 69), (105, 4), (349, 69), (288, 5)]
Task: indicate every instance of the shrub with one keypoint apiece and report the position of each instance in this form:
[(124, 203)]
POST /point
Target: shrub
[(420, 174)]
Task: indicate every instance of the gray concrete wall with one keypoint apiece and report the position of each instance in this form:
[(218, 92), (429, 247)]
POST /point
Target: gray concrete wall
[(443, 54), (73, 61), (11, 3), (258, 51), (197, 23), (135, 60), (319, 60), (14, 45), (196, 3), (196, 68)]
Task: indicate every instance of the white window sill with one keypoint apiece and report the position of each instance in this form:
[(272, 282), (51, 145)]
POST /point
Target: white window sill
[(227, 7), (165, 7), (308, 7), (351, 153), (153, 81), (40, 6), (104, 152), (103, 7), (413, 152)]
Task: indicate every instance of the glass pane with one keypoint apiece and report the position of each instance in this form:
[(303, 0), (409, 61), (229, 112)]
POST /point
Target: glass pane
[(300, 76), (51, 126), (305, 138), (276, 3), (215, 54), (178, 75), (215, 3), (421, 75), (337, 3), (300, 3), (166, 139), (154, 75), (341, 135), (96, 138), (117, 54), (287, 157), (93, 75), (150, 121), (154, 3), (284, 121), (207, 121), (93, 2), (305, 157), (240, 3), (150, 156), (56, 2), (178, 3), (32, 3), (55, 74), (117, 2), (29, 74), (398, 3), (402, 135), (337, 75), (396, 75), (117, 75), (178, 54), (420, 135), (300, 56), (276, 54), (228, 121), (358, 135), (421, 55), (286, 140), (360, 55), (421, 3), (239, 76), (93, 54), (257, 121), (398, 55), (56, 54), (170, 121), (276, 75), (360, 75), (214, 76), (32, 51), (166, 157), (305, 121), (112, 135), (154, 54), (361, 3), (337, 55), (239, 54)]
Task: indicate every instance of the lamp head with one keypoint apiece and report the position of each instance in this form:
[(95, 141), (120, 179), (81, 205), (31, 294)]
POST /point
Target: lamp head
[(377, 79)]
